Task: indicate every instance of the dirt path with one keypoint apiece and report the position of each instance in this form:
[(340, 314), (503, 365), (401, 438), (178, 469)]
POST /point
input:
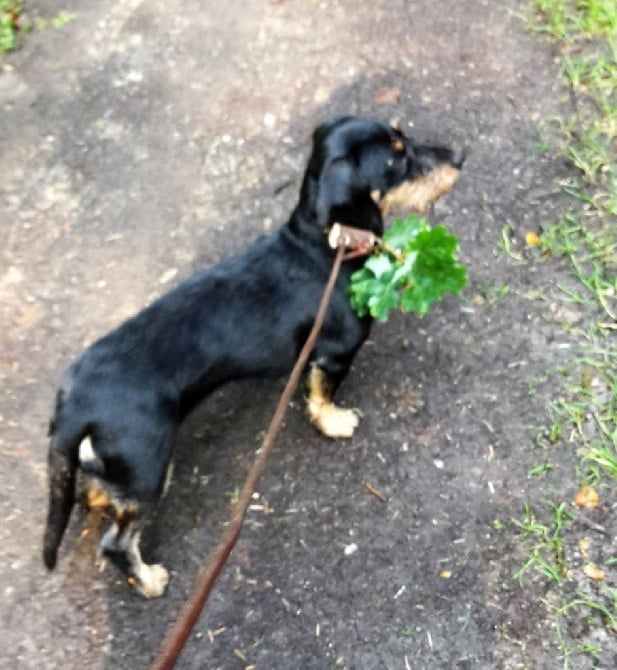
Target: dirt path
[(145, 139)]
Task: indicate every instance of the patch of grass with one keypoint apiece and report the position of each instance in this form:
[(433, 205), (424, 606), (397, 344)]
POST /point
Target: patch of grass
[(408, 631), (581, 606), (12, 23), (587, 235), (61, 19), (587, 33), (9, 15), (542, 469), (544, 541), (584, 418), (506, 244), (492, 293), (587, 416), (570, 20)]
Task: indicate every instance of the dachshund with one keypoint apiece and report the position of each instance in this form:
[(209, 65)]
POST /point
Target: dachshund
[(119, 404)]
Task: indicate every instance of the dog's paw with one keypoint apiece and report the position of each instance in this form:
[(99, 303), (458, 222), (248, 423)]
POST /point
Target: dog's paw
[(334, 421), (152, 580)]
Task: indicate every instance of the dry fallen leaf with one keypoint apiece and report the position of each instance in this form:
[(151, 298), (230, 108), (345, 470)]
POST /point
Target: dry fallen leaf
[(387, 96), (594, 572), (532, 239), (445, 574), (587, 497)]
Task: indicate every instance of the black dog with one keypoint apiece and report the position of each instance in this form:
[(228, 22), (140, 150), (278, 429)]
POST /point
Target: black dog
[(120, 402)]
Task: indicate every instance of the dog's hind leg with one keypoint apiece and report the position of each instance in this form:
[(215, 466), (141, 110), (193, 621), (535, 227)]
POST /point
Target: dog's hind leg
[(121, 545), (331, 420)]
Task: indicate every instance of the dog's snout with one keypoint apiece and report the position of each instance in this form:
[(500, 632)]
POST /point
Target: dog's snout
[(458, 158), (426, 157)]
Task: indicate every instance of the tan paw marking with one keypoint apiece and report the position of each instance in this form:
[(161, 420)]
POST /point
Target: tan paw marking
[(151, 581), (330, 419), (333, 421)]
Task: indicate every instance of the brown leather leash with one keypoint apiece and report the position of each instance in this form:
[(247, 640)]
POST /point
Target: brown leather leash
[(357, 243)]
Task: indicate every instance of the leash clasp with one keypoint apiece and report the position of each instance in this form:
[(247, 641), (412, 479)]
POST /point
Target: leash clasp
[(358, 242)]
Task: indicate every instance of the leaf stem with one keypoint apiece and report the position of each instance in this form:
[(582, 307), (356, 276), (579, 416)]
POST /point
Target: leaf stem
[(395, 253)]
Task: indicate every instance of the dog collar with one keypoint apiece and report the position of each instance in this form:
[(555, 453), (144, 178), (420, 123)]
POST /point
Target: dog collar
[(357, 242)]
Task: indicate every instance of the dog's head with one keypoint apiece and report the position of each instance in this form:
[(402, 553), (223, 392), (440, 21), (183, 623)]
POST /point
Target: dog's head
[(362, 169)]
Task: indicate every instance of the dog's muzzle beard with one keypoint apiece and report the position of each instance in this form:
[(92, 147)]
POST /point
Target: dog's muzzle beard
[(418, 193)]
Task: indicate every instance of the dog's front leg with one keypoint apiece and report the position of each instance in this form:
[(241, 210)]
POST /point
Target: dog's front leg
[(331, 420)]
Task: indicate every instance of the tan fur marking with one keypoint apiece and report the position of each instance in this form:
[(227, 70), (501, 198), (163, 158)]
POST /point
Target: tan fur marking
[(417, 195), (331, 420), (125, 514), (97, 499)]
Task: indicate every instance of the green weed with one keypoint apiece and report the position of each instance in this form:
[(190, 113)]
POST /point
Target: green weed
[(11, 23), (544, 542), (585, 418), (506, 244), (493, 293), (607, 613), (61, 19), (571, 20), (9, 16), (542, 469), (408, 631), (587, 30)]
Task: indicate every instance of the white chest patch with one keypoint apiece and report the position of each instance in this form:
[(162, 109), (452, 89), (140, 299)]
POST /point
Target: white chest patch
[(86, 451)]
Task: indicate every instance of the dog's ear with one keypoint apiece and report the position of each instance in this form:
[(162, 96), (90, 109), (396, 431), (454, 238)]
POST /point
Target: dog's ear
[(334, 189), (341, 198)]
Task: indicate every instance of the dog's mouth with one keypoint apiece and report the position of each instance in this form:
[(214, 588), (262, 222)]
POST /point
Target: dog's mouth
[(418, 193)]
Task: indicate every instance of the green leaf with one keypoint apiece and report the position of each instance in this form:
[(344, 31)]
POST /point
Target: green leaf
[(404, 269), (414, 300), (381, 302), (404, 231), (422, 270), (379, 265)]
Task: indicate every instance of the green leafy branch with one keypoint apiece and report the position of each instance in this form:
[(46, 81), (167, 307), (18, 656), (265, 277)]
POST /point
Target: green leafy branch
[(411, 268)]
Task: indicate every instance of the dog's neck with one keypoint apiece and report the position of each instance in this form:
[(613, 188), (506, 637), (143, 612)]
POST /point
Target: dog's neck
[(361, 213)]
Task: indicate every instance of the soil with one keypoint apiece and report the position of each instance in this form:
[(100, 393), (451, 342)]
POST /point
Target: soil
[(144, 140)]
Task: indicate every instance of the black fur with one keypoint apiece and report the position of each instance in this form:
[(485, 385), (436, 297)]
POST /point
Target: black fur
[(246, 317)]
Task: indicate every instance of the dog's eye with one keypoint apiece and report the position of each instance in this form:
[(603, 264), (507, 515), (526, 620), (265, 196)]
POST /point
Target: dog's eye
[(397, 160)]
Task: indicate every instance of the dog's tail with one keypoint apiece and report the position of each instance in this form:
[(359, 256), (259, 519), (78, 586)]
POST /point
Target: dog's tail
[(63, 460)]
